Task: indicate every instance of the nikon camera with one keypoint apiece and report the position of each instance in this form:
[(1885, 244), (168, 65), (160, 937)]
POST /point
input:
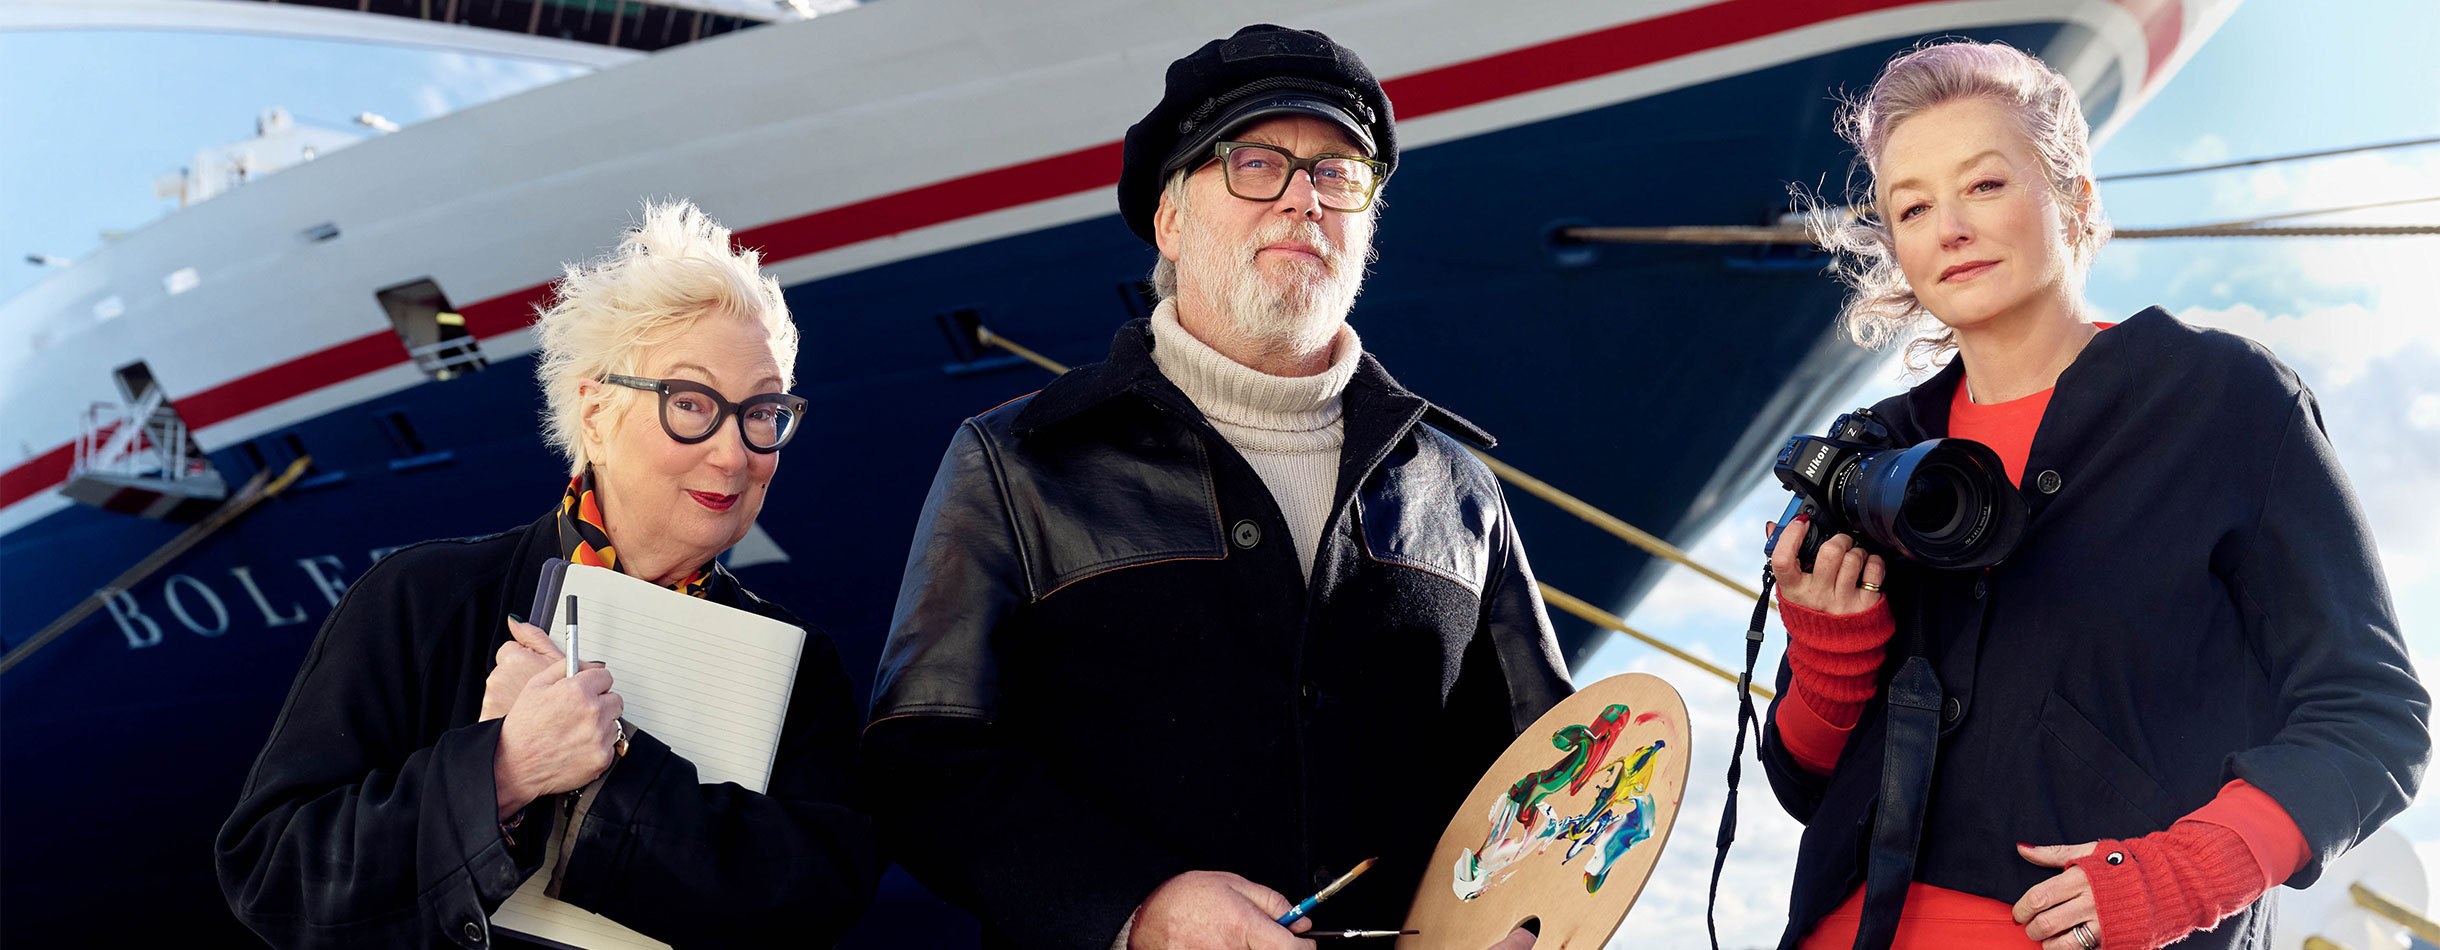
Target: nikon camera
[(1943, 503)]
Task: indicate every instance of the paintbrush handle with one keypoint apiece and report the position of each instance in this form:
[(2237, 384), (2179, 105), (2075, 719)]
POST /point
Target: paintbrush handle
[(1306, 906)]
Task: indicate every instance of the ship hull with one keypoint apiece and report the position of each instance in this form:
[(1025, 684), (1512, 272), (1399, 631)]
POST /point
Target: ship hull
[(1651, 381)]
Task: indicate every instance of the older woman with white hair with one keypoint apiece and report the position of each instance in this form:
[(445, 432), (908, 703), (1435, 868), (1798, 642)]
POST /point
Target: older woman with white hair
[(433, 740), (2183, 688)]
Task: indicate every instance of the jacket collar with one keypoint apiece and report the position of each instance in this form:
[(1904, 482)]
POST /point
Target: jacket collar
[(2092, 379), (540, 542), (1372, 397)]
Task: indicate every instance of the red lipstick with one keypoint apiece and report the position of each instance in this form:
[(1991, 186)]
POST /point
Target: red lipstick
[(712, 501)]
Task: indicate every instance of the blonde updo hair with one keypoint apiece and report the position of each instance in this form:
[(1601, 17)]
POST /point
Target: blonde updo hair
[(1883, 306), (674, 267)]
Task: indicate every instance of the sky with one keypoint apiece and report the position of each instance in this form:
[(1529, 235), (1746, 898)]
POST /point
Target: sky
[(2358, 318), (79, 159)]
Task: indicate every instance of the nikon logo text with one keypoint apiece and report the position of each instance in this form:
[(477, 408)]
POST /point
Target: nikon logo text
[(1814, 461)]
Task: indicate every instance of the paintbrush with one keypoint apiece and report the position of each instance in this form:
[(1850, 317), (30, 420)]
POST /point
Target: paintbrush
[(1306, 907), (1327, 934)]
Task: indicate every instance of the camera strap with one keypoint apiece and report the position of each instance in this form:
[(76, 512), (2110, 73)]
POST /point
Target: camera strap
[(1736, 754), (1912, 747)]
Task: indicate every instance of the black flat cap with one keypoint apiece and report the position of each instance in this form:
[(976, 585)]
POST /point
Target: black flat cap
[(1262, 72)]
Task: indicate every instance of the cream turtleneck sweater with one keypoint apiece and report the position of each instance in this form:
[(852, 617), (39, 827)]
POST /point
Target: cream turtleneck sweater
[(1287, 428)]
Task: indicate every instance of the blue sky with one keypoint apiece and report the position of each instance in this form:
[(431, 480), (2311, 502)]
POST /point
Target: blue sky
[(117, 108), (2359, 318)]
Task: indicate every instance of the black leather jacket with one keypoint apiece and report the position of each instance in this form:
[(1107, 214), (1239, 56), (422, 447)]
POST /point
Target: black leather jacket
[(1106, 667)]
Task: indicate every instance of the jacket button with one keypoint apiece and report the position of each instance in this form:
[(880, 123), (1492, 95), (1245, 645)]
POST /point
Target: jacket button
[(2117, 857), (1246, 534), (1981, 587), (2048, 481), (1309, 691), (1322, 877), (1952, 709), (474, 933)]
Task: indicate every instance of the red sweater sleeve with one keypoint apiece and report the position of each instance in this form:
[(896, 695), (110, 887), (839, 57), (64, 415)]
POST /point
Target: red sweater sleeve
[(2151, 891), (2270, 835), (1832, 662)]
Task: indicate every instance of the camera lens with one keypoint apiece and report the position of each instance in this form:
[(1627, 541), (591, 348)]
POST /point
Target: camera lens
[(1946, 503), (1936, 501)]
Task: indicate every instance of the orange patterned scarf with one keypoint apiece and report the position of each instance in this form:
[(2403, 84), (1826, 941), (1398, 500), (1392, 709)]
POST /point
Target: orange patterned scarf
[(583, 540)]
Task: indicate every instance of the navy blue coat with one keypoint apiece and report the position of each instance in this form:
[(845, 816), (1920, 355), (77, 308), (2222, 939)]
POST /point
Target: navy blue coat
[(369, 819), (2196, 599)]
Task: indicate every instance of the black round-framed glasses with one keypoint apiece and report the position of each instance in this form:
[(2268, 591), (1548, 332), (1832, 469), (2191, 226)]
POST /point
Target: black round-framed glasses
[(1257, 172), (691, 412)]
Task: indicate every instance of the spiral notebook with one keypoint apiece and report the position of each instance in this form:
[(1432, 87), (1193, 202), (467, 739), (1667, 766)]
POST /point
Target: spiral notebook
[(711, 681)]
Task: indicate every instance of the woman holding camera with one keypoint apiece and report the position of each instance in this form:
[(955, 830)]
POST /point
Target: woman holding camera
[(2186, 685)]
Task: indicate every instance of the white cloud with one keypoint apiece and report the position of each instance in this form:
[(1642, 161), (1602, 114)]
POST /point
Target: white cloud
[(458, 81), (2208, 148), (2423, 412), (431, 102), (2331, 346)]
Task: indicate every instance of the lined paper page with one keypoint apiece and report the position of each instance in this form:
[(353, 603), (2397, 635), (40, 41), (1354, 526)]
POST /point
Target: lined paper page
[(711, 681)]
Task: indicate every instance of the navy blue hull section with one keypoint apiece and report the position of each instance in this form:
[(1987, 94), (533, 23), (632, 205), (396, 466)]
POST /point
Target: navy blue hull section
[(1651, 381)]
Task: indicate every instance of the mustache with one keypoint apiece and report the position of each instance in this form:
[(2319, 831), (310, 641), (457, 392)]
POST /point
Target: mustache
[(1300, 231)]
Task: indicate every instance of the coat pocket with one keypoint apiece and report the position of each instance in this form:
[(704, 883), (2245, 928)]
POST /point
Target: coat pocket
[(2106, 770), (1434, 511)]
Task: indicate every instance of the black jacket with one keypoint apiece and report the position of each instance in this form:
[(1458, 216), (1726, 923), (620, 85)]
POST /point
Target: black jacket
[(369, 820), (1106, 668), (2196, 600)]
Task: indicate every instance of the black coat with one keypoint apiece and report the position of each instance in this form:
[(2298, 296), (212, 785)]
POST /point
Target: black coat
[(1106, 667), (2196, 599), (369, 820)]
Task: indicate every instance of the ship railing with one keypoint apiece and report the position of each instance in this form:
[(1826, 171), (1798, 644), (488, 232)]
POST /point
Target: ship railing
[(447, 358), (141, 441)]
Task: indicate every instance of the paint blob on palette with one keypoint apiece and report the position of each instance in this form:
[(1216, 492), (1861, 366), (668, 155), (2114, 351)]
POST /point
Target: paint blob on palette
[(1618, 817), (1566, 840)]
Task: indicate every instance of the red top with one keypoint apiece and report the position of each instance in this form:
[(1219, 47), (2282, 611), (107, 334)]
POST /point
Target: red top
[(1937, 916)]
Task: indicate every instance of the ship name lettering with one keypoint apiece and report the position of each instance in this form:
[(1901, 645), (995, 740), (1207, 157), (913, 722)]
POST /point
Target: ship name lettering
[(203, 611), (177, 606), (123, 608), (331, 587), (271, 618)]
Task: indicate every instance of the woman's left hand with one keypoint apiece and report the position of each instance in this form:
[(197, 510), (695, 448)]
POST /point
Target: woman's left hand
[(528, 651), (2051, 910)]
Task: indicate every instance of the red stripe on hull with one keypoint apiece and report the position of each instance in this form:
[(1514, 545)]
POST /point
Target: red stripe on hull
[(35, 474), (365, 354), (2164, 23), (1455, 86), (1612, 49)]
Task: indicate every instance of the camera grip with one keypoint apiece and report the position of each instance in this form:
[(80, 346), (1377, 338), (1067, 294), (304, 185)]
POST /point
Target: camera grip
[(1799, 506)]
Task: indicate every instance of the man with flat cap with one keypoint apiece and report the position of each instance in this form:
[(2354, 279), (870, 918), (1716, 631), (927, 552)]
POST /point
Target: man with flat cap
[(1192, 631)]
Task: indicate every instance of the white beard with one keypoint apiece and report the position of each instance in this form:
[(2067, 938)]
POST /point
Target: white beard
[(1297, 308)]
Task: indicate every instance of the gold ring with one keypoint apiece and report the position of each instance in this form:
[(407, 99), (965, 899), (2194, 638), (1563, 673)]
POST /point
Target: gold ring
[(2084, 936), (1870, 586)]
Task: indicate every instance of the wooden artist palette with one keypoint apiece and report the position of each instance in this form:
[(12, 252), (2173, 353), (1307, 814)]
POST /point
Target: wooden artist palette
[(1565, 827)]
